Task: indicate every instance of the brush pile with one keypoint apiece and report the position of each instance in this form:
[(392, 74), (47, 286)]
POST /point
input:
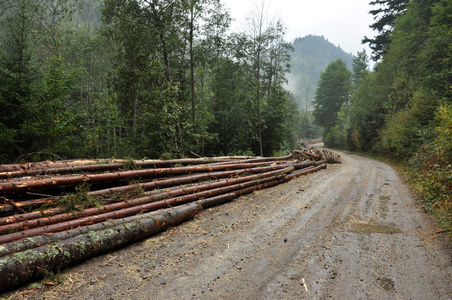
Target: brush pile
[(56, 214)]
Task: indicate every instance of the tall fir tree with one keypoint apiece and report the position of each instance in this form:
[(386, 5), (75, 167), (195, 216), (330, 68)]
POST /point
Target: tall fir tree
[(385, 17)]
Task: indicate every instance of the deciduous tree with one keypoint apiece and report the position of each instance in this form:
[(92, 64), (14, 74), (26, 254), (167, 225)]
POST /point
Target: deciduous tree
[(332, 92)]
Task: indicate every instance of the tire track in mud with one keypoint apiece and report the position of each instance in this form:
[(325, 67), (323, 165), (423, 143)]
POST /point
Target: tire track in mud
[(330, 208), (342, 265)]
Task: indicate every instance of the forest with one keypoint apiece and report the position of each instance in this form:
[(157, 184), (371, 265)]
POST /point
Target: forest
[(160, 78), (402, 109), (121, 78)]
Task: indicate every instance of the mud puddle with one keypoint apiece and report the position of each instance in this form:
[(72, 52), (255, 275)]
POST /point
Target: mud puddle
[(386, 283), (364, 228)]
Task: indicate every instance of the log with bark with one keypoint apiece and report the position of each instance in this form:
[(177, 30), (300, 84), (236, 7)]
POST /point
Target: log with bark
[(77, 166), (51, 238), (173, 181), (102, 167), (156, 183), (32, 220), (331, 157), (118, 210), (70, 181), (18, 268)]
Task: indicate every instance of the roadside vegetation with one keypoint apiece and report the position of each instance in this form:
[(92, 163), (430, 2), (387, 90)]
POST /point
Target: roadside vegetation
[(403, 108)]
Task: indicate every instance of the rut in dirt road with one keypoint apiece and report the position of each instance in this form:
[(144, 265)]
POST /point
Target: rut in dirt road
[(353, 231), (359, 239)]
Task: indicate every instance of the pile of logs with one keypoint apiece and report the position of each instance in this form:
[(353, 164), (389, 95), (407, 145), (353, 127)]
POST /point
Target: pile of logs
[(311, 153), (308, 153), (56, 214), (331, 157)]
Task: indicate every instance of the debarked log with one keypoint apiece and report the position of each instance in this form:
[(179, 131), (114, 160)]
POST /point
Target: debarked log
[(44, 167), (156, 183), (163, 183), (102, 167), (307, 170), (220, 199), (18, 268)]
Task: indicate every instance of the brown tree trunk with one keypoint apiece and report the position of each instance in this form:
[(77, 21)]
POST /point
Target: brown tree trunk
[(70, 181), (21, 267)]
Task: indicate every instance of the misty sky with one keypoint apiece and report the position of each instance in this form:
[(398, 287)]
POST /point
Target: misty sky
[(344, 23)]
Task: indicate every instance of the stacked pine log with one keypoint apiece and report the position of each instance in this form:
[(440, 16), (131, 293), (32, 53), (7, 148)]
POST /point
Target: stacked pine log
[(312, 153), (331, 157), (56, 214), (308, 153)]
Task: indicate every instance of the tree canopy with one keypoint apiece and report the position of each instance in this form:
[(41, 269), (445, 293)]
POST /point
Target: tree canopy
[(333, 91), (88, 78), (385, 16)]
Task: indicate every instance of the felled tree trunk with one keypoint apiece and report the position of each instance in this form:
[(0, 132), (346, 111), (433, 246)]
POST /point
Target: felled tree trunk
[(27, 221), (70, 181), (37, 241), (18, 268)]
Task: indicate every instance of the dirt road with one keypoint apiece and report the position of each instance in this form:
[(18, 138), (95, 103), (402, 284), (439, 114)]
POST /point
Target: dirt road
[(353, 231)]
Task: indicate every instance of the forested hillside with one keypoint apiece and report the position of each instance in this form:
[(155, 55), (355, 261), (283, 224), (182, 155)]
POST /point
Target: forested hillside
[(116, 78), (310, 57), (403, 109)]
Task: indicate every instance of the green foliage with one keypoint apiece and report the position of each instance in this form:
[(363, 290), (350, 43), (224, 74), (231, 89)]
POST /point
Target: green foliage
[(90, 78), (20, 111), (332, 92), (403, 109), (444, 131), (385, 17), (136, 192), (435, 58), (309, 130), (49, 276), (432, 169), (339, 135), (407, 129), (8, 140), (280, 121), (247, 152), (79, 200), (360, 68)]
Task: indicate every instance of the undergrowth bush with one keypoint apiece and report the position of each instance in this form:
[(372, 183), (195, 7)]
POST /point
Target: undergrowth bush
[(431, 170)]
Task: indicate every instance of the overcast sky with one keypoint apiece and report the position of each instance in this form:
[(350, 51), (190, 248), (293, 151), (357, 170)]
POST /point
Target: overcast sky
[(344, 23)]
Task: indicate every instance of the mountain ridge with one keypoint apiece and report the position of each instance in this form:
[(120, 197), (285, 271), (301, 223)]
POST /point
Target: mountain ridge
[(311, 55)]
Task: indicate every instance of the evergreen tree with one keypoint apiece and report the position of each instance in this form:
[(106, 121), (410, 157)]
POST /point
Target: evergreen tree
[(332, 92), (360, 69), (385, 17)]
